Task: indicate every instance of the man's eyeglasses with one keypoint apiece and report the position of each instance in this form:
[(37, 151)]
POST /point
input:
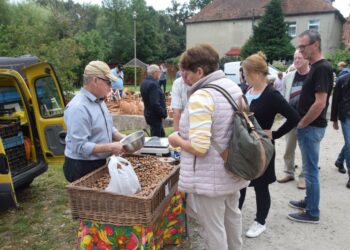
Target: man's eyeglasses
[(302, 47), (108, 82)]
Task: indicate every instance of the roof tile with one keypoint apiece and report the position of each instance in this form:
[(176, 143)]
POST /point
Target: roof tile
[(220, 10)]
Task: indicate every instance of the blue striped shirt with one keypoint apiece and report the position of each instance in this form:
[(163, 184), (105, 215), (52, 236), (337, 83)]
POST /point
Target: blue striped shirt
[(88, 123)]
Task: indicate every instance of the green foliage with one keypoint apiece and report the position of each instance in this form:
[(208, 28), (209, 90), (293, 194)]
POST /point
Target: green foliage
[(5, 15), (93, 47), (69, 34), (271, 35), (338, 56), (64, 56), (280, 66), (173, 26), (198, 4), (173, 61), (129, 74)]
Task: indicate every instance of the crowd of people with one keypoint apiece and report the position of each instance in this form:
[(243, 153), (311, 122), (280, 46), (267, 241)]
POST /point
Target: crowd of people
[(203, 116), (301, 97)]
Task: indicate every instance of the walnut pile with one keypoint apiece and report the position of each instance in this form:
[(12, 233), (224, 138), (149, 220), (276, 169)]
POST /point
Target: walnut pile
[(149, 170)]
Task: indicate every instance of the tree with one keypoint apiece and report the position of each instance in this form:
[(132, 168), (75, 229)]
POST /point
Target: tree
[(173, 26), (198, 4), (338, 56), (5, 15), (271, 35)]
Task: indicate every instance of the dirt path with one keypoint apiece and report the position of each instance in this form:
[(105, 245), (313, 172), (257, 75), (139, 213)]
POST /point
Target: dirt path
[(333, 230)]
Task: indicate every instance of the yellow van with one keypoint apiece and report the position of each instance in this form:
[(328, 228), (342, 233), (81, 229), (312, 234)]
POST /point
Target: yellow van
[(32, 128)]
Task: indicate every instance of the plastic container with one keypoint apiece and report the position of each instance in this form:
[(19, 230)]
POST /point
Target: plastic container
[(13, 141)]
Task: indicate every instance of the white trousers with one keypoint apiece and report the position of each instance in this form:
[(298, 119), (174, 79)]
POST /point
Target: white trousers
[(221, 220)]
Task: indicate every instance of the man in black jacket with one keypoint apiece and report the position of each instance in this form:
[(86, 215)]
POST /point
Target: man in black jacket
[(341, 110), (154, 101)]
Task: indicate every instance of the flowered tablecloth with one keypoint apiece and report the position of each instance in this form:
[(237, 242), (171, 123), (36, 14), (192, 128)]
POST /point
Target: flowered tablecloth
[(166, 231)]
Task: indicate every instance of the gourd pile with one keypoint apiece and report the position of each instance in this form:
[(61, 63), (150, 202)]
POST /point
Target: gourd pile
[(131, 103)]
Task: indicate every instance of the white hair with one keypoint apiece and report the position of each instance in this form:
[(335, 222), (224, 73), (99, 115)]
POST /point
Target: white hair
[(152, 68)]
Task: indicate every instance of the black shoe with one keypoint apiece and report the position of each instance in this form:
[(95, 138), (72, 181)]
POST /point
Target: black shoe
[(340, 167), (297, 204), (303, 217), (348, 184)]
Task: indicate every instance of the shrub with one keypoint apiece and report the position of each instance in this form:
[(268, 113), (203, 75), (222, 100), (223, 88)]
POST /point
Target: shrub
[(280, 66), (129, 74), (338, 56)]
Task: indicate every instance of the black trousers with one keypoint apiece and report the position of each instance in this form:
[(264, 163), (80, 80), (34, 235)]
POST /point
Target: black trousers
[(263, 202), (157, 128), (162, 82), (75, 169)]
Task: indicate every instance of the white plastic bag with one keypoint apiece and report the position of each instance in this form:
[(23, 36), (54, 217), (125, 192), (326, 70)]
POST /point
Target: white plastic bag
[(123, 177)]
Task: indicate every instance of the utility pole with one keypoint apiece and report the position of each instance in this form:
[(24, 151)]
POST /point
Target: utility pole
[(134, 16)]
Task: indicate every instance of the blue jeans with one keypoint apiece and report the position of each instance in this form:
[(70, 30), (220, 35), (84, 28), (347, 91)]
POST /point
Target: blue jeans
[(345, 151), (309, 140)]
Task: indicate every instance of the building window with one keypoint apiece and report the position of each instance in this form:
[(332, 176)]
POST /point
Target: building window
[(314, 24), (292, 29)]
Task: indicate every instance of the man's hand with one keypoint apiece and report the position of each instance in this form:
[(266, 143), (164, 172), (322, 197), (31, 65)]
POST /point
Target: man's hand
[(301, 124), (116, 148), (335, 125)]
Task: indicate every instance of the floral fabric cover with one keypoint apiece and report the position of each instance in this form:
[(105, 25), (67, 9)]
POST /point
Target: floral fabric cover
[(168, 230)]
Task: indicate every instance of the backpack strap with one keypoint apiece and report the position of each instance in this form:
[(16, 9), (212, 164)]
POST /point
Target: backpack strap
[(225, 94), (234, 106), (242, 107)]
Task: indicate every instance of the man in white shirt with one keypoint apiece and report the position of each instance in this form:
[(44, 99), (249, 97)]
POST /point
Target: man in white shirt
[(178, 100)]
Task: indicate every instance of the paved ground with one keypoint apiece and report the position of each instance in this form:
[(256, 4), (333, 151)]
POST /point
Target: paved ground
[(333, 230)]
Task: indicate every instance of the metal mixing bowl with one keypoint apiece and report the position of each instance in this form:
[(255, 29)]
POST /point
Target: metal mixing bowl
[(133, 142)]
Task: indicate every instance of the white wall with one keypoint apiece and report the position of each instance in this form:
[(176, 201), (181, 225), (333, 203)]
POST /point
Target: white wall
[(330, 29), (222, 35), (225, 35)]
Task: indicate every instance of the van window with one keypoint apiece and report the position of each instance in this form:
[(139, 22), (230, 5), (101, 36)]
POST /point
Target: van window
[(48, 98)]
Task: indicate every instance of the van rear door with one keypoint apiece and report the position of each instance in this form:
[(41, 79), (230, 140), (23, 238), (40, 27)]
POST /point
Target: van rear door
[(48, 107), (7, 192)]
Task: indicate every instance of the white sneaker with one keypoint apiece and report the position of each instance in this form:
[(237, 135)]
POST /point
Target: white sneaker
[(255, 230)]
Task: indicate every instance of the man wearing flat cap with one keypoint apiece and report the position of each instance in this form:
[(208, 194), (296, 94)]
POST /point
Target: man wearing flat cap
[(91, 136)]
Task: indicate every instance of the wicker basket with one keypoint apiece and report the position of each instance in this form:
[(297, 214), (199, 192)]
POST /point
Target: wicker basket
[(127, 210)]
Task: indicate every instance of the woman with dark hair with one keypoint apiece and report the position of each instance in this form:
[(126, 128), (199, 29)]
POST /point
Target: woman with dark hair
[(265, 102), (207, 119)]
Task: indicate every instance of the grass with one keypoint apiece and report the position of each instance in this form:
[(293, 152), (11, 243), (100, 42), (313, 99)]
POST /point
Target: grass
[(43, 219)]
